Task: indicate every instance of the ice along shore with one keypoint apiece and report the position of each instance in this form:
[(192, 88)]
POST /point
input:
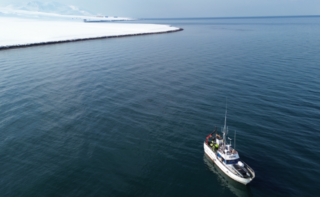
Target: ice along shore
[(20, 32)]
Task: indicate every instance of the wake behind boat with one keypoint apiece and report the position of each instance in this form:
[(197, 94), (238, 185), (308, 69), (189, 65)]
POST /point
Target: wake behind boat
[(226, 157)]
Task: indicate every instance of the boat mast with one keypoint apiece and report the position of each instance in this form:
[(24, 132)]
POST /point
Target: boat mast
[(225, 129), (235, 132)]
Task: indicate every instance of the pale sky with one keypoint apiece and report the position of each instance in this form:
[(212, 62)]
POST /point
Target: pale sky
[(193, 8)]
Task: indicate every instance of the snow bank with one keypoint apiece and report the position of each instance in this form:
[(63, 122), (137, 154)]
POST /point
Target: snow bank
[(17, 32)]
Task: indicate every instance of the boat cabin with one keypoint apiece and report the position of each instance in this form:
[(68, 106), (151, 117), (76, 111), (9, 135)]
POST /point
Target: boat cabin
[(219, 139), (228, 154)]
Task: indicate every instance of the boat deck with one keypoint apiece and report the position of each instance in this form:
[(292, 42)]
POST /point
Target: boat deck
[(234, 168)]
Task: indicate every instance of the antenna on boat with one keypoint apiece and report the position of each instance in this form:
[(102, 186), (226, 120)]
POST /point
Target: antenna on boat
[(235, 139), (225, 116), (225, 129)]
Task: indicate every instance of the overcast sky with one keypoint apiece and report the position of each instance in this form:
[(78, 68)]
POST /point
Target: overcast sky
[(193, 8)]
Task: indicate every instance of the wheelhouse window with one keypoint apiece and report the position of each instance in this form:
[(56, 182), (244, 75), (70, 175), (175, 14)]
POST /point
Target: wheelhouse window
[(232, 161)]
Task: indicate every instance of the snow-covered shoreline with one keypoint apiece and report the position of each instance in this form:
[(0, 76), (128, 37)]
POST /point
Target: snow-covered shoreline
[(19, 32)]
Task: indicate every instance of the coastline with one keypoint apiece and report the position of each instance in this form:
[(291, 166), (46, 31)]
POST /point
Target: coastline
[(23, 32), (85, 39)]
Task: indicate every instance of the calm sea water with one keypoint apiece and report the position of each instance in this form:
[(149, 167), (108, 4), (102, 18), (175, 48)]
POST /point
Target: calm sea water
[(128, 116)]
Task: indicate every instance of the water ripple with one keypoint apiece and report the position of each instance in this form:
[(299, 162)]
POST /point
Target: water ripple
[(128, 116)]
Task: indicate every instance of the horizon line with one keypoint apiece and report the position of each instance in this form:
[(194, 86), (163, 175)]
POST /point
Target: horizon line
[(232, 17)]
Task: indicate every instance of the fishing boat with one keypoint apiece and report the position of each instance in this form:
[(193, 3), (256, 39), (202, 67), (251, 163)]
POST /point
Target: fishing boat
[(226, 157)]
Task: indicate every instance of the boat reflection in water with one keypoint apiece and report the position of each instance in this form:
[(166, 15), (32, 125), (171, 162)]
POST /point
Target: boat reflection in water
[(236, 188)]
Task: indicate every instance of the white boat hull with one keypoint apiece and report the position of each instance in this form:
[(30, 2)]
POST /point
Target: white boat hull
[(208, 150)]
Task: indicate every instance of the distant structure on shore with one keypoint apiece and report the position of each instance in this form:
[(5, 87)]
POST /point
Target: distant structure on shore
[(106, 19)]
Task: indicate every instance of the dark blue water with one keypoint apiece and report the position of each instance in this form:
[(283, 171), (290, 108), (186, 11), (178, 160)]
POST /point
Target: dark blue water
[(128, 116)]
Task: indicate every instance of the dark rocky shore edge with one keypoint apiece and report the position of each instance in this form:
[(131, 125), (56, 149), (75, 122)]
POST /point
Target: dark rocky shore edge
[(83, 39)]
